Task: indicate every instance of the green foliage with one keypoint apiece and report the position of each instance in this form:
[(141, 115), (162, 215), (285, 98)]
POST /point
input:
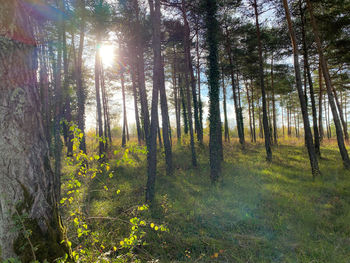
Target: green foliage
[(85, 177)]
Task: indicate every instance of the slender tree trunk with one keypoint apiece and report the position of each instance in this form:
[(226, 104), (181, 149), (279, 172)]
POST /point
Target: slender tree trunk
[(320, 119), (325, 71), (189, 111), (98, 99), (309, 79), (273, 104), (234, 89), (134, 90), (107, 133), (188, 62), (253, 112), (176, 99), (226, 131), (249, 113), (341, 114), (200, 107), (58, 114), (28, 188), (261, 72), (308, 135), (81, 97), (124, 110), (139, 52), (183, 102), (67, 110)]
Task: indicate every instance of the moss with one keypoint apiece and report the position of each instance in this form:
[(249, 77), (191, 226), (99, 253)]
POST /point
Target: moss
[(47, 245)]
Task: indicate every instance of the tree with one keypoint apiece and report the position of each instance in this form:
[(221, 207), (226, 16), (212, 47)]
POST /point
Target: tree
[(308, 134), (329, 87), (29, 191), (262, 86), (214, 89)]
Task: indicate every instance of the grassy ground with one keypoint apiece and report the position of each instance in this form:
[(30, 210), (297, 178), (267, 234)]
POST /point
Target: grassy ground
[(258, 212)]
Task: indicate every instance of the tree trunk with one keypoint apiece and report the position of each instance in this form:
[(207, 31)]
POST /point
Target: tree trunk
[(341, 114), (234, 88), (176, 99), (214, 86), (67, 110), (261, 72), (249, 113), (308, 135), (320, 95), (189, 111), (309, 79), (273, 104), (29, 190), (98, 99), (226, 131), (81, 97), (125, 123), (253, 111), (134, 90), (324, 66), (189, 67), (141, 72), (200, 107)]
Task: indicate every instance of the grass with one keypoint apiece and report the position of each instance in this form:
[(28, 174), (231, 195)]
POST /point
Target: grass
[(258, 212)]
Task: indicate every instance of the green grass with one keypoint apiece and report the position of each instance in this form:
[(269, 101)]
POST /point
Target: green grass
[(258, 212)]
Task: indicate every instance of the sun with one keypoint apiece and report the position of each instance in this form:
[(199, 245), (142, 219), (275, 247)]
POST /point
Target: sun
[(107, 53)]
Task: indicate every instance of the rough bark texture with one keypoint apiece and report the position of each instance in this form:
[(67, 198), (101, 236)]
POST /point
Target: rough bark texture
[(308, 135), (27, 184), (214, 86)]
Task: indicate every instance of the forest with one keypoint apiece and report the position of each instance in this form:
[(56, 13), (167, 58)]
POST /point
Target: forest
[(174, 131)]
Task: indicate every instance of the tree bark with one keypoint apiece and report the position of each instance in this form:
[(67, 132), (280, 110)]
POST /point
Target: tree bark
[(234, 90), (307, 129), (309, 80), (189, 67), (29, 190), (329, 86), (81, 97), (262, 86), (320, 95), (98, 99), (214, 90), (125, 122), (226, 130)]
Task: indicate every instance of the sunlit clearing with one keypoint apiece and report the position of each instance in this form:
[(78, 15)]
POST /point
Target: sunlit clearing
[(107, 54)]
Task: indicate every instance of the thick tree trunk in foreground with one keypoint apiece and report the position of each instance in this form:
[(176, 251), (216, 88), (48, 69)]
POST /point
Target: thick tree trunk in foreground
[(27, 184), (325, 71), (214, 86), (262, 86), (308, 135)]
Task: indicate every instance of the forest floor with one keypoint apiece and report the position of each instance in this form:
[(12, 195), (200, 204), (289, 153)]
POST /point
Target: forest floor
[(258, 212)]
